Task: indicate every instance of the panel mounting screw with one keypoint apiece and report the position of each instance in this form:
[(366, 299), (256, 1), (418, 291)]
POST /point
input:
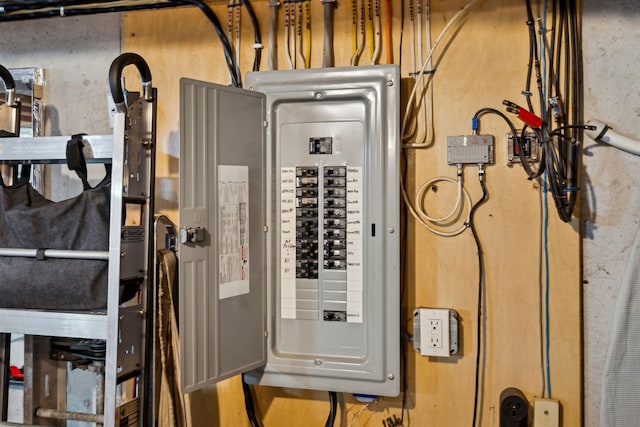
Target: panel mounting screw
[(391, 377), (389, 83), (391, 230), (317, 362)]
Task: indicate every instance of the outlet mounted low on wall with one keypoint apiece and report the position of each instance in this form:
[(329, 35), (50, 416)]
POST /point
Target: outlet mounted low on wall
[(514, 408)]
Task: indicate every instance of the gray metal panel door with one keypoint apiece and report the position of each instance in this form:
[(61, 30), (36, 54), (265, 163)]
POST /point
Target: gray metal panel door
[(222, 206)]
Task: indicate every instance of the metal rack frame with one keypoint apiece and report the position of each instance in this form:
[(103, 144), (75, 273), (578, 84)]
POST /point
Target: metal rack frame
[(110, 324)]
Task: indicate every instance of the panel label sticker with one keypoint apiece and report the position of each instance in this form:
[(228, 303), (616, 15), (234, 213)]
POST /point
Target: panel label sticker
[(233, 230), (355, 234), (288, 243)]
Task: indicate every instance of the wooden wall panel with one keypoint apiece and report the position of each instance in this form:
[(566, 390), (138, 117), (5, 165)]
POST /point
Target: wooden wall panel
[(483, 63)]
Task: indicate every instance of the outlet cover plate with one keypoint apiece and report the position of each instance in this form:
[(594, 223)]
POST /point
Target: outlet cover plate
[(435, 332), (546, 412)]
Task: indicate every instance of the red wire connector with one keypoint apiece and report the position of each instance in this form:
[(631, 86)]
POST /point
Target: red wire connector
[(15, 373), (526, 116)]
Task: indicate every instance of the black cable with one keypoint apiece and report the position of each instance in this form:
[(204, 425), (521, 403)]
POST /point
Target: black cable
[(333, 403), (531, 173), (234, 69), (24, 10), (257, 37), (576, 101), (471, 224), (552, 81), (248, 404), (16, 10), (404, 225), (534, 60)]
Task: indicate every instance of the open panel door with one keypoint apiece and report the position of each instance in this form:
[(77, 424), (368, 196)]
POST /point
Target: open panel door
[(222, 232)]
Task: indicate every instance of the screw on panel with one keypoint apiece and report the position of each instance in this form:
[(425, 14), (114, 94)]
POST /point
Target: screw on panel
[(389, 83), (391, 230), (391, 377), (317, 362)]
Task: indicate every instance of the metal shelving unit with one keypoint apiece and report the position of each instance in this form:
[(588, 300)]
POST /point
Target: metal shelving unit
[(124, 327)]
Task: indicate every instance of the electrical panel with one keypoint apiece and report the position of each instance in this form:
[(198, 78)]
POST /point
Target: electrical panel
[(329, 224)]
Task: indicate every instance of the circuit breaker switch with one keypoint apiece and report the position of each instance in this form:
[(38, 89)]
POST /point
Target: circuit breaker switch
[(322, 145)]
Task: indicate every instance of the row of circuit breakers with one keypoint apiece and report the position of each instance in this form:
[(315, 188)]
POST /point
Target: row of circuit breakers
[(289, 230), (333, 216)]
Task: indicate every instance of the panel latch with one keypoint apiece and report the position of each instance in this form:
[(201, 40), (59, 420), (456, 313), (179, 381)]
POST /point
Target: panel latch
[(191, 235)]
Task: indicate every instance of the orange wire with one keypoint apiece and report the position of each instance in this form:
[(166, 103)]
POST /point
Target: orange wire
[(387, 32)]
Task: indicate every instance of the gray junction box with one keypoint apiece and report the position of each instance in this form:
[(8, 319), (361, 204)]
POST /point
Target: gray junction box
[(289, 213)]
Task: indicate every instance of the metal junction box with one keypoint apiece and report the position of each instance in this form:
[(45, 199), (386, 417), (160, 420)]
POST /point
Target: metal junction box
[(289, 210)]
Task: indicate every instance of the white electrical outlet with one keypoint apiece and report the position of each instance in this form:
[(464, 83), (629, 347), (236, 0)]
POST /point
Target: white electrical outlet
[(546, 412), (435, 331)]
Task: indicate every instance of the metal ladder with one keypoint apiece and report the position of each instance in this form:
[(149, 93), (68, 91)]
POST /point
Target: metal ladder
[(125, 329)]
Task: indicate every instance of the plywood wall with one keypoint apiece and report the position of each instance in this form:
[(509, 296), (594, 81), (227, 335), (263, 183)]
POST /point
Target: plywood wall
[(480, 64)]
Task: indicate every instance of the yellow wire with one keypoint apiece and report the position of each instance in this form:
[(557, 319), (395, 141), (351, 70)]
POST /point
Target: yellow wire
[(307, 34)]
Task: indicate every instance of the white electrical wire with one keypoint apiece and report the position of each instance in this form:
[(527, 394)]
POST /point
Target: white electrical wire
[(419, 30), (286, 41), (363, 34), (420, 215), (419, 131), (407, 130), (377, 33), (412, 34), (423, 135), (357, 414), (424, 189)]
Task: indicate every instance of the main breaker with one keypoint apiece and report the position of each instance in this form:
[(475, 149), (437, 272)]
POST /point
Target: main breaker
[(289, 212)]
